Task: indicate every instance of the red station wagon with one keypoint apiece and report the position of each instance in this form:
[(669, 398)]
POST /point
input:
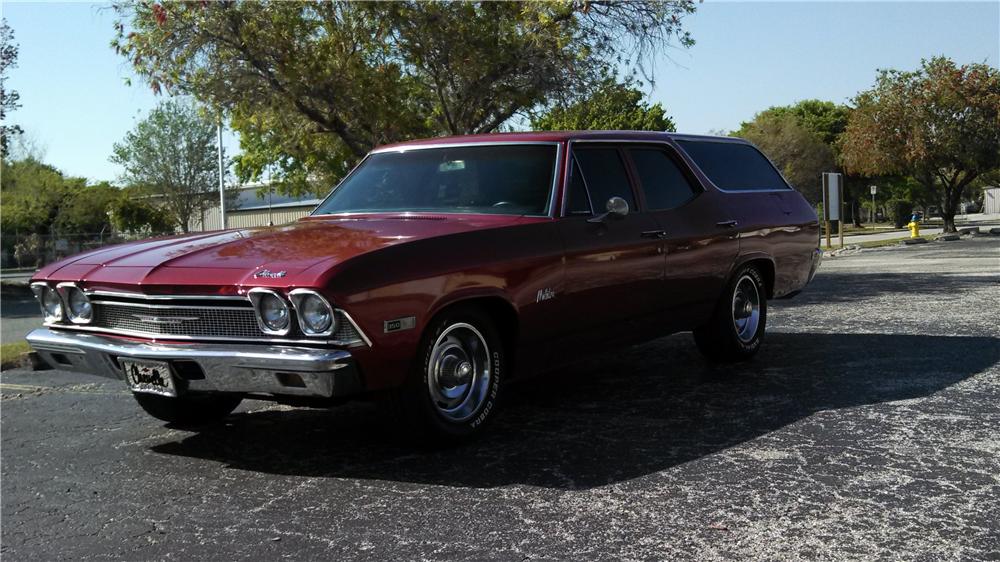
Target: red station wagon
[(437, 272)]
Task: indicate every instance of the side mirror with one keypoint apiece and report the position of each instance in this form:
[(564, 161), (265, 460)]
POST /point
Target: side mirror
[(616, 206)]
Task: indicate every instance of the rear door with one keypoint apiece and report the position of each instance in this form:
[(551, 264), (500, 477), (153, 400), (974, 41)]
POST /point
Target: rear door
[(700, 243), (613, 268)]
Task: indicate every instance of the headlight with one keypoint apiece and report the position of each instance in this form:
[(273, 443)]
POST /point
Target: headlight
[(80, 311), (48, 298), (315, 313), (272, 311)]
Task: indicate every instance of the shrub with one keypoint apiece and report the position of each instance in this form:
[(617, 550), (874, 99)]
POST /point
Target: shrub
[(899, 211)]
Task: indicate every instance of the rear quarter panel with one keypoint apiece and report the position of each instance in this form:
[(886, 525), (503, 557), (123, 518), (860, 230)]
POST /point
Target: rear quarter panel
[(780, 226)]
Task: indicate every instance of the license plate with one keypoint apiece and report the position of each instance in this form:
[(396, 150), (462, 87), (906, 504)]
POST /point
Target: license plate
[(151, 377)]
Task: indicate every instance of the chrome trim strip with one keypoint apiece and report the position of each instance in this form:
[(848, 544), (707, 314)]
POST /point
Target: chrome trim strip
[(172, 306), (163, 297), (253, 293), (409, 147), (231, 368), (168, 337), (357, 328), (292, 296), (406, 148)]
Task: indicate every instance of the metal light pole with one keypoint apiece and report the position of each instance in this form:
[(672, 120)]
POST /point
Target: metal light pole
[(873, 189), (222, 180)]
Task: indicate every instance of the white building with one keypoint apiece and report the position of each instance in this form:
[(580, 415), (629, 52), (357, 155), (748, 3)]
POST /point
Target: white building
[(991, 201), (250, 210)]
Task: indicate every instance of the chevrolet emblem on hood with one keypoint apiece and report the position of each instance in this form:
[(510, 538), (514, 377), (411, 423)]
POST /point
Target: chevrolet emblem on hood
[(269, 274)]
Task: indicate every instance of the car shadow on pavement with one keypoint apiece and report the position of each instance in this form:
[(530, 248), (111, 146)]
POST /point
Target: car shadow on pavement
[(618, 417)]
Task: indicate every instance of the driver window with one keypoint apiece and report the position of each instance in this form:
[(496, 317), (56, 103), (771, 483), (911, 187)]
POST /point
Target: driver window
[(578, 202), (605, 175)]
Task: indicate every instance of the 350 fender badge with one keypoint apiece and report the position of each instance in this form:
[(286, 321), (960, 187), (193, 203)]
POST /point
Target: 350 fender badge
[(399, 324), (269, 274)]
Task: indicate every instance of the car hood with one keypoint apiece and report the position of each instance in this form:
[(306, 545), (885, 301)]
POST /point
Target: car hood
[(292, 255)]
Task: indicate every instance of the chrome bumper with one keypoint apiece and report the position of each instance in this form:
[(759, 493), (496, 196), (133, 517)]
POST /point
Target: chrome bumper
[(238, 368)]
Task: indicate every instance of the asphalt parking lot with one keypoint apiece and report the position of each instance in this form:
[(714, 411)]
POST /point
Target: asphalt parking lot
[(868, 428)]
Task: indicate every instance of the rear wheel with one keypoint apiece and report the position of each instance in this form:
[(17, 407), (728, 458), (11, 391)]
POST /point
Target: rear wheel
[(190, 409), (452, 393), (736, 329)]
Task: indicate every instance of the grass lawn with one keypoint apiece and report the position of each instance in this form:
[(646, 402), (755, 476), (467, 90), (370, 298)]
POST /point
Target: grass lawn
[(11, 354)]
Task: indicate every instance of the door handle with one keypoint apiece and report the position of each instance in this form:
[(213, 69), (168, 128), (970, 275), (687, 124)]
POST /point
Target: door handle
[(727, 224), (654, 234)]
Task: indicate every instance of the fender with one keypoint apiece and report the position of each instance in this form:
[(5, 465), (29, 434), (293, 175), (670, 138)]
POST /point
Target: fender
[(743, 259), (466, 294)]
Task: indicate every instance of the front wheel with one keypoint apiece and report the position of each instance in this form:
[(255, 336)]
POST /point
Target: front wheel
[(452, 392), (736, 328), (190, 409)]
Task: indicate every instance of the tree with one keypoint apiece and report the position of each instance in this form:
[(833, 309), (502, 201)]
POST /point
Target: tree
[(84, 208), (39, 199), (311, 87), (610, 106), (8, 98), (33, 193), (825, 119), (172, 154), (799, 153), (131, 212), (939, 124)]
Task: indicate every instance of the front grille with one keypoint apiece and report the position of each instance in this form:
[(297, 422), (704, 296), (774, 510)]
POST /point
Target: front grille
[(236, 322), (194, 318)]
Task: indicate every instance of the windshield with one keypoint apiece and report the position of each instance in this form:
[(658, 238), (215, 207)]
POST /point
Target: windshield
[(513, 179)]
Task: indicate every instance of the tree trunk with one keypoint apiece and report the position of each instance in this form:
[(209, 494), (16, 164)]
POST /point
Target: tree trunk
[(856, 212), (949, 221)]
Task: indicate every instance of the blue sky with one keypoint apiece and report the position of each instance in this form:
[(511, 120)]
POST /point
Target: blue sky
[(748, 56)]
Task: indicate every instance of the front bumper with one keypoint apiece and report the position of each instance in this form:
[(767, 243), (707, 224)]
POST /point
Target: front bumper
[(279, 370)]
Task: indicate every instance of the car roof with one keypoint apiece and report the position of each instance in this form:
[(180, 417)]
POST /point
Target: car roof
[(555, 136)]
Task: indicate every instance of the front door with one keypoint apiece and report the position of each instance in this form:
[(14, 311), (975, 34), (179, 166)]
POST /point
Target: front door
[(614, 266)]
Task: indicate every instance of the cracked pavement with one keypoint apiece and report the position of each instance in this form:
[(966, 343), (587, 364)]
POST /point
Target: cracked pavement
[(867, 428)]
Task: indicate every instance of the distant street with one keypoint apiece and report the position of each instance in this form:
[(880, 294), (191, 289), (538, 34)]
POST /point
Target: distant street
[(866, 429), (19, 313)]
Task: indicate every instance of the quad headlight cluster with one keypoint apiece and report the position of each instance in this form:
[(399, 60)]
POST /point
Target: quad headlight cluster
[(274, 313), (63, 301)]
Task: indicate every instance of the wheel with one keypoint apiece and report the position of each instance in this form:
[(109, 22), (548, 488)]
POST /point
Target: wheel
[(736, 328), (453, 390), (190, 409)]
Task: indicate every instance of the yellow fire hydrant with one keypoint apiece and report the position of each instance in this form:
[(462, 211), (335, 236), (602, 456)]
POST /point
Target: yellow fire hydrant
[(914, 226)]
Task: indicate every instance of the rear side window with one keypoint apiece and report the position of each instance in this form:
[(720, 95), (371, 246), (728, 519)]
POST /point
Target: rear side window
[(734, 166), (663, 182), (605, 175)]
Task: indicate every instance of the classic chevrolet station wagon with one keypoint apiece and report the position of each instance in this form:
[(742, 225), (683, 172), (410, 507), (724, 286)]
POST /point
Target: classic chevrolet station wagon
[(437, 272)]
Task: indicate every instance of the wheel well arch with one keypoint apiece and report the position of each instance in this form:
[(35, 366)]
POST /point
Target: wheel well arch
[(765, 265), (499, 309)]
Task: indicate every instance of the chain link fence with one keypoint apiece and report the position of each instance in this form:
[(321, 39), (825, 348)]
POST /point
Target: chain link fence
[(36, 250)]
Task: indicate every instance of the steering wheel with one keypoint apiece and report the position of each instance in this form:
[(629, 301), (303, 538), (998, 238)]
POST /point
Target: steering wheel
[(503, 203)]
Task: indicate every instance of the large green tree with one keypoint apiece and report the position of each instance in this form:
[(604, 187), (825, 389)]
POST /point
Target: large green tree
[(173, 156), (609, 106), (939, 124), (33, 193), (312, 86), (8, 97)]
